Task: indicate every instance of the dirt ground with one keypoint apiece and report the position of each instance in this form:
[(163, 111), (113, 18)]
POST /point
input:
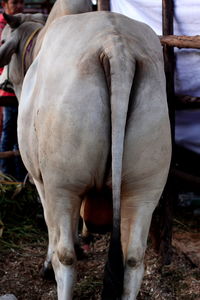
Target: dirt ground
[(19, 274), (20, 267)]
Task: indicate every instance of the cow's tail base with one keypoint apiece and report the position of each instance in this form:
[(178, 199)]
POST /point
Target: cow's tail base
[(119, 68)]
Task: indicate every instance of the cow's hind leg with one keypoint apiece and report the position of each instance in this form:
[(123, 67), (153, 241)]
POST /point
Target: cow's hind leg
[(61, 212), (47, 269), (136, 218)]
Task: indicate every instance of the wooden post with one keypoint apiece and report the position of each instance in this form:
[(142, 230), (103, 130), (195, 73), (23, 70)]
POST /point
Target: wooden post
[(8, 154), (167, 199), (168, 52), (104, 5)]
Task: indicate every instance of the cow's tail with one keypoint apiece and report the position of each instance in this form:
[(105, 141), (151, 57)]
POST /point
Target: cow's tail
[(119, 68)]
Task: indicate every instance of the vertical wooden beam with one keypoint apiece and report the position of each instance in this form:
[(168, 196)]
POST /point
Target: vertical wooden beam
[(167, 17), (168, 197), (168, 52), (104, 5)]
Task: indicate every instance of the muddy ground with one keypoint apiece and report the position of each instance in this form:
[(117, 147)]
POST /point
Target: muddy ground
[(20, 264)]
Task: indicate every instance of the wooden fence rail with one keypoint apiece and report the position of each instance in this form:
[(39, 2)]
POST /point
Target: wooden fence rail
[(181, 41)]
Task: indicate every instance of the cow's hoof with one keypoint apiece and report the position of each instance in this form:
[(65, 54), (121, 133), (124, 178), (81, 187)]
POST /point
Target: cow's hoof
[(47, 273)]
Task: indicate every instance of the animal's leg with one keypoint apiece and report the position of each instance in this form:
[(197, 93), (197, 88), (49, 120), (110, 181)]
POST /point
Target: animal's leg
[(47, 270), (86, 237), (85, 233), (61, 214), (136, 218), (78, 249)]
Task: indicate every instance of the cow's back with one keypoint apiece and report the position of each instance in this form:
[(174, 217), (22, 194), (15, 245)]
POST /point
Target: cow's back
[(71, 96)]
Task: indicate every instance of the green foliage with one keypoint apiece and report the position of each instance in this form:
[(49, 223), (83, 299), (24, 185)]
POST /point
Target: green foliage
[(21, 215), (88, 286)]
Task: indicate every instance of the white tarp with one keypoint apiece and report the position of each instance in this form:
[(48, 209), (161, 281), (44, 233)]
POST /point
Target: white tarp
[(187, 73)]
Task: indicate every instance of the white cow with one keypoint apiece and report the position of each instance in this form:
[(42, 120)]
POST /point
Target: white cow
[(93, 115)]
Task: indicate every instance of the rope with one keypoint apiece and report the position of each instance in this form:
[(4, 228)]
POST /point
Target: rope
[(25, 48)]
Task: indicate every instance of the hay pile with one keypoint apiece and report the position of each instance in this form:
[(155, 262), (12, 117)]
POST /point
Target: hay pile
[(20, 211)]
